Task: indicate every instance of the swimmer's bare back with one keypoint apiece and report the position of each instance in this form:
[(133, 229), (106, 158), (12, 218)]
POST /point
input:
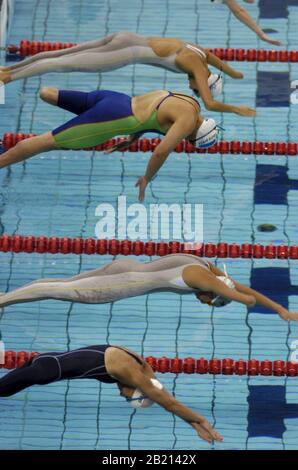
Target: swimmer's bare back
[(144, 105)]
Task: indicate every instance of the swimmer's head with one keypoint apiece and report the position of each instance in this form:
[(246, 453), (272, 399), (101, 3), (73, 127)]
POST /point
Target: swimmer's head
[(215, 84), (217, 300), (135, 396), (206, 135)]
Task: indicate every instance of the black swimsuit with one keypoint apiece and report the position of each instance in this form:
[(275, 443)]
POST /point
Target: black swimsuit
[(83, 363)]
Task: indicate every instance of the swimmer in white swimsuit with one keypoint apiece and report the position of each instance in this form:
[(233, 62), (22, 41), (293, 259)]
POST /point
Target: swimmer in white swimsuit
[(124, 278), (242, 15), (125, 48)]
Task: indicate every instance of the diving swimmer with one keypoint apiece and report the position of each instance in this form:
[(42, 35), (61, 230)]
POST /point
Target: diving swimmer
[(125, 48), (103, 114), (124, 278), (109, 364)]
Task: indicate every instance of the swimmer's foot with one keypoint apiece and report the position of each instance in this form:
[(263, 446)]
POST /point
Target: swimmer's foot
[(5, 77)]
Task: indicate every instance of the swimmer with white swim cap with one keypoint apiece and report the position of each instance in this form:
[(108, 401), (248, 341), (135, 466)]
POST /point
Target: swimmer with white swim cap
[(124, 48), (109, 364), (179, 273), (103, 114), (242, 15)]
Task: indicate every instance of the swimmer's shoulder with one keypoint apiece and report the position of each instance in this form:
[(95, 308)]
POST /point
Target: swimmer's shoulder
[(114, 354), (189, 58)]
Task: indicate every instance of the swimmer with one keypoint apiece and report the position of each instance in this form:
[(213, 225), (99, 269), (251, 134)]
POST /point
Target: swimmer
[(109, 364), (124, 278), (124, 48), (242, 15), (104, 114)]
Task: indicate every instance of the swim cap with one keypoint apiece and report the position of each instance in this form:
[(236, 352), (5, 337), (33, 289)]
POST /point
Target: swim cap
[(215, 83), (139, 400), (206, 134), (220, 301)]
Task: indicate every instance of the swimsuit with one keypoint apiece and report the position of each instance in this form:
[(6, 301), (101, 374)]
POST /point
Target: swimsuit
[(101, 115), (83, 363)]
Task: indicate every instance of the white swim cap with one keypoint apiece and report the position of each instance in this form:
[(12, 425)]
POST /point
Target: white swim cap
[(207, 134), (220, 301), (139, 400), (215, 84)]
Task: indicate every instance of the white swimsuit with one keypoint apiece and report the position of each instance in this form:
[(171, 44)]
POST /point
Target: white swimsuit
[(118, 280), (103, 55)]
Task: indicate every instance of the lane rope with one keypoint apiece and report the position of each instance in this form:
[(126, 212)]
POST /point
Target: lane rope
[(90, 246), (224, 147), (189, 365), (27, 48)]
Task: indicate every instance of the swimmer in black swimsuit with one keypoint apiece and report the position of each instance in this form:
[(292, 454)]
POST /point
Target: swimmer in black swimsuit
[(109, 364)]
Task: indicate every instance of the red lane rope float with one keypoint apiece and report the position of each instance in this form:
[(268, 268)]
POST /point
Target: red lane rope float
[(90, 246), (189, 365), (26, 48), (233, 147)]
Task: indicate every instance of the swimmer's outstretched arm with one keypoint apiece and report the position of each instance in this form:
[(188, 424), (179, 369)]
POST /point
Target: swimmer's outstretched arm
[(28, 148), (198, 77), (135, 378), (182, 128), (267, 302), (216, 62), (260, 299), (201, 79), (242, 15)]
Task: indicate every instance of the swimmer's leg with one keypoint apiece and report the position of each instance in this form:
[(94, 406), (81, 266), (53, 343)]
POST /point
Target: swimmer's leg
[(24, 294), (40, 372), (88, 61), (50, 95), (28, 148), (169, 262), (115, 53), (97, 43), (36, 291), (126, 265)]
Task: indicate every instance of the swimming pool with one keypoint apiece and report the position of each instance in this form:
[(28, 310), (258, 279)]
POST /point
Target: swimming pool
[(57, 193)]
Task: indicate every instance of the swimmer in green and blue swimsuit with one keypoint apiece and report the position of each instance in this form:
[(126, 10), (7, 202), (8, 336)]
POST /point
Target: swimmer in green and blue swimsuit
[(103, 114)]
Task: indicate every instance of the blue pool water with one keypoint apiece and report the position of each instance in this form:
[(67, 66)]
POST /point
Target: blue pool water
[(57, 194)]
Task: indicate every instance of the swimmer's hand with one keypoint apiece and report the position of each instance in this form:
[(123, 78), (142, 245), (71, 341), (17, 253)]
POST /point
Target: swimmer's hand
[(286, 315), (206, 431), (268, 39), (236, 74), (123, 145), (245, 111), (142, 184)]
